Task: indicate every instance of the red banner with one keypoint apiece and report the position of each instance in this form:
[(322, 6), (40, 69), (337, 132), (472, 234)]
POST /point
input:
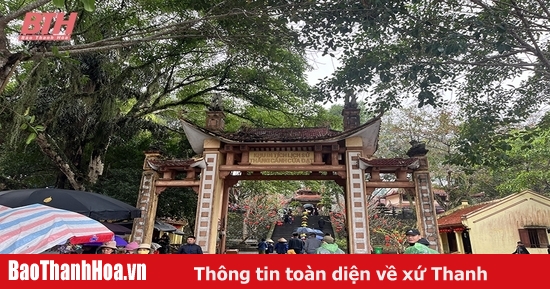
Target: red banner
[(259, 271)]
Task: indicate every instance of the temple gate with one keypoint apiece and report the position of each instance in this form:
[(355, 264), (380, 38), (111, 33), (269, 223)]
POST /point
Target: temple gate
[(321, 153)]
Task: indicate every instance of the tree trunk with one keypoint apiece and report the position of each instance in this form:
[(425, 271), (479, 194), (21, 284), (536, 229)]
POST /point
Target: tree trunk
[(63, 166), (8, 64)]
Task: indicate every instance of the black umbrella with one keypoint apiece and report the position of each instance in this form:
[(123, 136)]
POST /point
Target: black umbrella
[(93, 205), (117, 228)]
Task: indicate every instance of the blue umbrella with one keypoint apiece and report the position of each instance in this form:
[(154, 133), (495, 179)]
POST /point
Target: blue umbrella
[(318, 232), (119, 243), (306, 230), (303, 230)]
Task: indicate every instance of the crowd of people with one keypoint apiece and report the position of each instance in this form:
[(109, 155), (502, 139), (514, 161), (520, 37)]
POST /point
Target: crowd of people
[(314, 245), (111, 247), (297, 245)]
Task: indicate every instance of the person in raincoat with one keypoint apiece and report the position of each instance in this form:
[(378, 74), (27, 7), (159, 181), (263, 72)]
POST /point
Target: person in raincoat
[(418, 245), (329, 247)]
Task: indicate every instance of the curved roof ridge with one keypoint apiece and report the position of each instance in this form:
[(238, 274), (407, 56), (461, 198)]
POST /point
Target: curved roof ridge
[(316, 133)]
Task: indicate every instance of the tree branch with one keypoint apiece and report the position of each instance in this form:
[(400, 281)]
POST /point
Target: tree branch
[(536, 47), (64, 167), (544, 7), (4, 20)]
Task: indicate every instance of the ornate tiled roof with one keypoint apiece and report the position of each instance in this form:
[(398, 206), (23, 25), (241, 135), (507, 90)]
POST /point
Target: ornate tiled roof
[(248, 134), (395, 162), (368, 132), (455, 218), (173, 163), (307, 198), (281, 134), (307, 195)]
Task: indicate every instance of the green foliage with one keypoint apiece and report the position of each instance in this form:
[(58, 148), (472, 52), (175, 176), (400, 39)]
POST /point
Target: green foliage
[(388, 231), (235, 227), (122, 175), (83, 102), (25, 167), (89, 5), (403, 49), (342, 244), (178, 203)]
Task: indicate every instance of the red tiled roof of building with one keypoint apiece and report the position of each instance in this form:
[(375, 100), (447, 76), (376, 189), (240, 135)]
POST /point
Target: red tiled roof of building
[(281, 134), (455, 218), (395, 162)]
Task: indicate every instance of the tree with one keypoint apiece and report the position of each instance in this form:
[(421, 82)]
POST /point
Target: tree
[(395, 49), (258, 202), (177, 23), (440, 130), (122, 73), (488, 57), (388, 230), (517, 160), (261, 214)]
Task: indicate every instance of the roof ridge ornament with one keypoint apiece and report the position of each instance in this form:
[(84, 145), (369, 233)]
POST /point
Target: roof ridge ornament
[(216, 103)]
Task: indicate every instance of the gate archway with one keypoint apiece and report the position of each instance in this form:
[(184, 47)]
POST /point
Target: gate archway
[(324, 154)]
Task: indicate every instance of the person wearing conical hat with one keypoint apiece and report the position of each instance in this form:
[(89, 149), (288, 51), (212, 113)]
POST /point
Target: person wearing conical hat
[(270, 246), (144, 249), (281, 247), (108, 248)]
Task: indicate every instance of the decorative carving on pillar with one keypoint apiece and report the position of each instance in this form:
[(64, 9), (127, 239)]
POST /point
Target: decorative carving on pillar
[(208, 204), (142, 230), (358, 225), (424, 198)]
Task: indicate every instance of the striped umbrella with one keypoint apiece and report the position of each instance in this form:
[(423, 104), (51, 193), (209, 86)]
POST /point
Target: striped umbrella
[(35, 228), (3, 208)]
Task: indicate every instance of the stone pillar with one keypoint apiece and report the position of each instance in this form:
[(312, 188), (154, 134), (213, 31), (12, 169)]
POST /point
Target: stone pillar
[(210, 198), (424, 203), (142, 230), (223, 218), (356, 203)]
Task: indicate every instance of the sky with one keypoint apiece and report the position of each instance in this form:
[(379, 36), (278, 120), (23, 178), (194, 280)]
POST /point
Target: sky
[(322, 66)]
